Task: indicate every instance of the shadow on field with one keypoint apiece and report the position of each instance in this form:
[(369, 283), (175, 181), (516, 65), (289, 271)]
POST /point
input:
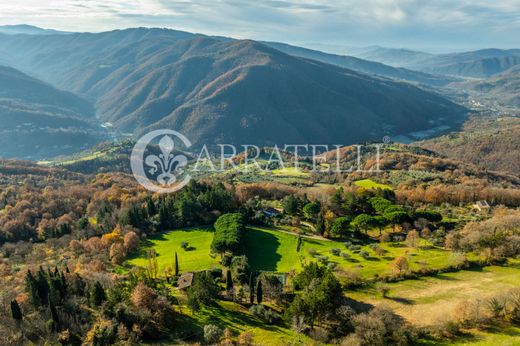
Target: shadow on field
[(401, 300), (260, 249), (444, 277)]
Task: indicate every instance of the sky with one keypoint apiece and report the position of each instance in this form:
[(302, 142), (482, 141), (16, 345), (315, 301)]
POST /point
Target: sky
[(331, 25)]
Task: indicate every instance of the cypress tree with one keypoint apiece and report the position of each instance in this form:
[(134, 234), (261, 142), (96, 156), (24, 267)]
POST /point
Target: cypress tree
[(150, 207), (97, 295), (32, 289), (229, 280), (176, 265), (259, 292), (320, 223), (63, 283), (251, 289), (42, 286), (16, 312), (54, 315), (79, 285)]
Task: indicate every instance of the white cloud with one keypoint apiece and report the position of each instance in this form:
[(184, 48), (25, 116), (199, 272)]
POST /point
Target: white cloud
[(333, 21)]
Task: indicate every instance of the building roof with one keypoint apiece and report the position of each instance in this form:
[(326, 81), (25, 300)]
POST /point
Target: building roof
[(482, 204), (185, 280)]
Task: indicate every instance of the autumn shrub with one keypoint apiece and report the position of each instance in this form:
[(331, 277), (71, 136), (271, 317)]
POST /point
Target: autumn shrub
[(212, 334)]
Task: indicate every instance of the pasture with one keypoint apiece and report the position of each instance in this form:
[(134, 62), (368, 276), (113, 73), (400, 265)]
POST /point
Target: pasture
[(370, 184), (272, 249), (196, 257), (427, 300)]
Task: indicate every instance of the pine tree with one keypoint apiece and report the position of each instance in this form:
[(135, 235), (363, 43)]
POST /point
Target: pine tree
[(16, 312), (259, 292), (251, 289), (229, 281), (176, 264)]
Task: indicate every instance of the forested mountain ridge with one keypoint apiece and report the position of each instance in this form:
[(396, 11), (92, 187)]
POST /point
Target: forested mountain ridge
[(38, 120), (216, 89)]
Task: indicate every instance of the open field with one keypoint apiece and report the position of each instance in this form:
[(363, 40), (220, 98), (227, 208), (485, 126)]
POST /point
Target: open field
[(370, 184), (166, 244), (429, 299), (424, 301), (276, 250)]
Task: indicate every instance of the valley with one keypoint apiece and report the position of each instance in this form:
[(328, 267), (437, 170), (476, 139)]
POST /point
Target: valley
[(408, 233)]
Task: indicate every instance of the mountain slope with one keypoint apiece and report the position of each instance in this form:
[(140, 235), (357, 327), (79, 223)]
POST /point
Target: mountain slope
[(491, 143), (221, 90), (479, 68), (503, 88), (365, 66), (474, 64), (54, 58), (398, 57), (241, 91), (17, 85), (28, 30), (38, 120)]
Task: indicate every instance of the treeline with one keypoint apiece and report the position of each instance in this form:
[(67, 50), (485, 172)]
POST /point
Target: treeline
[(37, 213), (457, 194), (357, 211)]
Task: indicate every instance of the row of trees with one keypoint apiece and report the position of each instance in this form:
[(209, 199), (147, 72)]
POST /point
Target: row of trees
[(359, 210)]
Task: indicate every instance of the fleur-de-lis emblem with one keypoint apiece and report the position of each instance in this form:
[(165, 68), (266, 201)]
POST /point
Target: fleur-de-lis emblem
[(164, 172), (168, 165)]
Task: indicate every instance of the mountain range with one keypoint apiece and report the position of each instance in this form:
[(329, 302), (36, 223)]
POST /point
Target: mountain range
[(475, 64), (28, 30), (365, 66), (223, 90)]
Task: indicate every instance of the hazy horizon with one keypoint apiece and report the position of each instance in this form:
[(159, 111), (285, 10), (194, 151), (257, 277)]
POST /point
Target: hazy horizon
[(334, 26)]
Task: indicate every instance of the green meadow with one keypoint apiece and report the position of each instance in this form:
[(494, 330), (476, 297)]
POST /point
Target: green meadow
[(271, 249), (370, 184), (197, 257)]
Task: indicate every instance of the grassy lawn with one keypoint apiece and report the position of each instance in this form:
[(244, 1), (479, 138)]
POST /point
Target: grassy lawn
[(166, 244), (370, 184), (506, 336), (271, 250), (427, 300), (422, 301), (369, 266)]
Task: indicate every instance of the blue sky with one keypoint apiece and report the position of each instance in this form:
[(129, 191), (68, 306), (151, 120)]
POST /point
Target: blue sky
[(436, 25)]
